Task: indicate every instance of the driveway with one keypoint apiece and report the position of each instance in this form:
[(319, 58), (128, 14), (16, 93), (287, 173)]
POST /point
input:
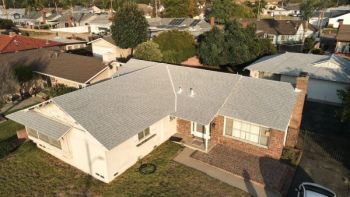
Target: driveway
[(326, 155)]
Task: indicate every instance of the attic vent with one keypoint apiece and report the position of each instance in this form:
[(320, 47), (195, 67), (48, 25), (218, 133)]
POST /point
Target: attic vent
[(179, 91), (191, 92)]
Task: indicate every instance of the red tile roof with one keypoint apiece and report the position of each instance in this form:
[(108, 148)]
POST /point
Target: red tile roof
[(9, 44)]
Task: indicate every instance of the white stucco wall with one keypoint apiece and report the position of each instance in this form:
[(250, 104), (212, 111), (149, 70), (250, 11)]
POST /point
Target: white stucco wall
[(334, 21), (128, 153), (320, 90), (79, 148), (103, 48)]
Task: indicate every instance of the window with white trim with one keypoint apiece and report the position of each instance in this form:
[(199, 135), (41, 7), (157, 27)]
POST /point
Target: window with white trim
[(246, 131), (35, 134), (143, 134)]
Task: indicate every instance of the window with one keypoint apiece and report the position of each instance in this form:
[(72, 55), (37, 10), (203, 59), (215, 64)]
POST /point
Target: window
[(143, 134), (246, 131), (45, 138)]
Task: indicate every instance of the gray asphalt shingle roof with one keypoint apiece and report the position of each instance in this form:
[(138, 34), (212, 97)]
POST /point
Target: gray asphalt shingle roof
[(264, 102), (324, 67), (40, 123), (117, 109)]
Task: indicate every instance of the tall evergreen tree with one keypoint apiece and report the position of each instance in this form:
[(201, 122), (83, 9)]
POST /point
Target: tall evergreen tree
[(129, 27)]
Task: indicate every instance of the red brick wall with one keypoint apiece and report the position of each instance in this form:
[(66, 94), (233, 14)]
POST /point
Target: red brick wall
[(273, 150), (183, 126), (295, 122)]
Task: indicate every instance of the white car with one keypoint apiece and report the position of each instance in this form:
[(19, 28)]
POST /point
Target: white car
[(314, 190)]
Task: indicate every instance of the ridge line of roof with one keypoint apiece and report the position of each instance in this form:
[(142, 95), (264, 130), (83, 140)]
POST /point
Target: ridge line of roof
[(172, 85), (4, 48)]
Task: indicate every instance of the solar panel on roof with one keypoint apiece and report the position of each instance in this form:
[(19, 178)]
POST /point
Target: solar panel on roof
[(176, 21), (195, 22)]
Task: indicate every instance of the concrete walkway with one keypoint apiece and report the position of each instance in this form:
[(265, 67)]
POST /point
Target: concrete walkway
[(254, 189)]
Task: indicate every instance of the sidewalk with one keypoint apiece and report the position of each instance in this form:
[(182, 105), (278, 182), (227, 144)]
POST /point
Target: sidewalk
[(253, 188)]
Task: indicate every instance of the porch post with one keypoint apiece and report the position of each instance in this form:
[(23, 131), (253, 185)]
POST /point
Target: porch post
[(206, 136)]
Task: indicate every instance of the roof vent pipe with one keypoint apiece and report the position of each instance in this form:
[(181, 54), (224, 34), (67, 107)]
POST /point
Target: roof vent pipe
[(179, 91), (191, 92)]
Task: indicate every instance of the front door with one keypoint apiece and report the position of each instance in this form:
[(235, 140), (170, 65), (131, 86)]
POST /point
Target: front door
[(199, 130)]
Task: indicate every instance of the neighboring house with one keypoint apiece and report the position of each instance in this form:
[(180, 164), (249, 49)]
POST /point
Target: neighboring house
[(331, 18), (100, 24), (70, 44), (284, 31), (334, 21), (195, 26), (343, 40), (14, 43), (328, 73), (107, 49), (147, 10), (74, 70), (54, 67), (13, 14), (106, 128), (275, 11)]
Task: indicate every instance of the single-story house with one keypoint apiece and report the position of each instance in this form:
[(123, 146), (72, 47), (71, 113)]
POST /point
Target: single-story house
[(13, 14), (55, 67), (107, 49), (195, 26), (106, 128), (328, 73), (74, 70), (70, 44), (331, 17), (343, 40), (13, 43), (284, 31)]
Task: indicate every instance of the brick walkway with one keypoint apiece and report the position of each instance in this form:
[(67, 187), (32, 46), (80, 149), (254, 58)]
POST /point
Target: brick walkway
[(264, 170)]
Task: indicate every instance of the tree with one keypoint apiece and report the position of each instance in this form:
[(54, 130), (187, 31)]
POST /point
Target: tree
[(176, 46), (8, 81), (226, 10), (211, 48), (234, 46), (257, 7), (129, 27), (309, 44), (148, 51), (344, 96), (178, 8), (60, 89), (6, 24)]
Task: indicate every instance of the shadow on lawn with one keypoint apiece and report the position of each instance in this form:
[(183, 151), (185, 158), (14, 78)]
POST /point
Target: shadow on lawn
[(9, 145)]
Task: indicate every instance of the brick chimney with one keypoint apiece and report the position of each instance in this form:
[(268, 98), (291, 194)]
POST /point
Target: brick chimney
[(295, 122), (212, 21)]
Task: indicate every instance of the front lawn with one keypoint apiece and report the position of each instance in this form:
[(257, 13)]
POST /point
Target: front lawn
[(31, 172)]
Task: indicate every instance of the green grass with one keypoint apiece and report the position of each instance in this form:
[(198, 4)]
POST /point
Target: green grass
[(8, 129), (29, 171)]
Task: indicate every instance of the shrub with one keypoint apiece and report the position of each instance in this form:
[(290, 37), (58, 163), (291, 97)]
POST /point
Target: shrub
[(60, 89), (6, 24), (148, 51), (317, 51), (176, 46)]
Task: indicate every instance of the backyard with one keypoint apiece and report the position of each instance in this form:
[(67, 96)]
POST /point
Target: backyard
[(325, 145), (27, 171)]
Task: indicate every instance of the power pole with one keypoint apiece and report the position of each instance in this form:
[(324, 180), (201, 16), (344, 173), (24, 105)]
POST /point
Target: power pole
[(156, 7), (258, 16)]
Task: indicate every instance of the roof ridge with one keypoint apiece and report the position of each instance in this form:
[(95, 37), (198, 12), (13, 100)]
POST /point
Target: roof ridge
[(172, 84), (229, 95)]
